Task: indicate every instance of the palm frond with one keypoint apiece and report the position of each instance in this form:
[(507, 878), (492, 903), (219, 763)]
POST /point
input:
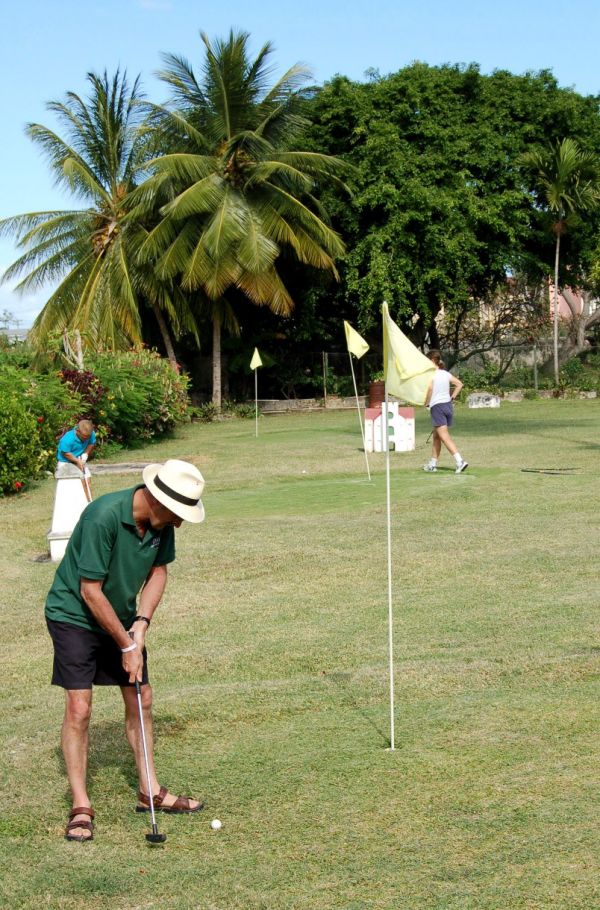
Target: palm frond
[(174, 260), (256, 252), (284, 205), (267, 289), (226, 227), (173, 128), (206, 195), (186, 168), (180, 76), (58, 310), (18, 226)]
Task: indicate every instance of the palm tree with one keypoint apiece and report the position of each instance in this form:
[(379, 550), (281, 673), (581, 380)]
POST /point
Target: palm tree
[(567, 183), (235, 194), (92, 252)]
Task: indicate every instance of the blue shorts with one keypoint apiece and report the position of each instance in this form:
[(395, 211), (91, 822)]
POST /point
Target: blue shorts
[(442, 414)]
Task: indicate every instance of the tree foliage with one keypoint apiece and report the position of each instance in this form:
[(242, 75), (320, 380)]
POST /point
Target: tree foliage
[(91, 253), (235, 191), (440, 214)]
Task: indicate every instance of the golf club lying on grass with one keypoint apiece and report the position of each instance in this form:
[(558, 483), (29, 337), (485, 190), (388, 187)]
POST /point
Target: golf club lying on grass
[(155, 837)]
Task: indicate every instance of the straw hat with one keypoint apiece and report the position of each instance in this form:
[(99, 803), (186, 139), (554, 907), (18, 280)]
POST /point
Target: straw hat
[(178, 486)]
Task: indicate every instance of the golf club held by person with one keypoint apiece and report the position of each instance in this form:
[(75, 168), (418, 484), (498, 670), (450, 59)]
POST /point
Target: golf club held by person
[(119, 549)]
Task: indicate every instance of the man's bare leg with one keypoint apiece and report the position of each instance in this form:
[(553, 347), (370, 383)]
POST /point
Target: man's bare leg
[(132, 727), (75, 745)]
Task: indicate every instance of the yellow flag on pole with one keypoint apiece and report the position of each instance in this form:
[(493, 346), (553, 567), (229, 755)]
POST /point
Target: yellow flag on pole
[(256, 361), (356, 344), (407, 371)]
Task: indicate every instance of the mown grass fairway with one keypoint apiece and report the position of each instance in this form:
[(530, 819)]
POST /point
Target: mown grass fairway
[(269, 664)]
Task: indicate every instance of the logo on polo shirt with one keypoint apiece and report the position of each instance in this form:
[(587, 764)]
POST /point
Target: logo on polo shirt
[(155, 543)]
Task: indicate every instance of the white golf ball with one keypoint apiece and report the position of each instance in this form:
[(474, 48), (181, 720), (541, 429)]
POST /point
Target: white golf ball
[(216, 824)]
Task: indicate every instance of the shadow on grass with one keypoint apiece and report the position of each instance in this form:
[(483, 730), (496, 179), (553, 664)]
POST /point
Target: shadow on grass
[(109, 748), (342, 682)]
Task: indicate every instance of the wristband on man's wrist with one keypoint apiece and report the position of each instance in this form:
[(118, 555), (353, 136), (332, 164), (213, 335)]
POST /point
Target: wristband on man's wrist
[(130, 647), (143, 618)]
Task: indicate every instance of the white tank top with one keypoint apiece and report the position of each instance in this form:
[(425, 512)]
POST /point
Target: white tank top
[(440, 392)]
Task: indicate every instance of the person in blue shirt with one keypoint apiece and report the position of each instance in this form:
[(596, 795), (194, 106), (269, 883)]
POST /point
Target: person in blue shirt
[(75, 447)]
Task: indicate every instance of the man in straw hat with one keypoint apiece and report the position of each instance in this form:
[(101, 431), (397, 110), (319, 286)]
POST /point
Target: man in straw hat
[(120, 547)]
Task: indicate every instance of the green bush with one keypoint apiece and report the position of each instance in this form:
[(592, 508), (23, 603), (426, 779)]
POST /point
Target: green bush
[(478, 380), (239, 409), (53, 407), (575, 374), (143, 397), (19, 444), (204, 413)]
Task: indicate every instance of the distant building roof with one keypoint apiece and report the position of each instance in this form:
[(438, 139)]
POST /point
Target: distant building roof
[(15, 334)]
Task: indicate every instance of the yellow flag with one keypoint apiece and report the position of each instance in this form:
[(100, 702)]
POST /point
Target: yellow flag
[(356, 345), (256, 361), (407, 371)]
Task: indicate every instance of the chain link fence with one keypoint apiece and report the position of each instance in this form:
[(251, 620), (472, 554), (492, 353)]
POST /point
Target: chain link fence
[(325, 375)]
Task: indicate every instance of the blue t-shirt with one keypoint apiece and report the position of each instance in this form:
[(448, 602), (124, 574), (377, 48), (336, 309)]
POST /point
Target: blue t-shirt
[(72, 444)]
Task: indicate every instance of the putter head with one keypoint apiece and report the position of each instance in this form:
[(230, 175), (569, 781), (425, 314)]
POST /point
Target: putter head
[(156, 838)]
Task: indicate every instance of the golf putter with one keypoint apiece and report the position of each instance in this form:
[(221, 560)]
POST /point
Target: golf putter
[(155, 837), (86, 484)]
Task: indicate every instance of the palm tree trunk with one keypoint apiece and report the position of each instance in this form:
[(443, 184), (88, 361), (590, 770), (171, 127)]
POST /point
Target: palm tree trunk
[(166, 337), (216, 359), (556, 256)]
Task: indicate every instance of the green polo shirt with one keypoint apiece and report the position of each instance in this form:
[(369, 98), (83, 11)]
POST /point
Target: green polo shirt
[(105, 546)]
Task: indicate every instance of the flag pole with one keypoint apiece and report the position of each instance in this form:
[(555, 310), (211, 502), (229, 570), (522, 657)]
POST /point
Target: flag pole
[(389, 569), (256, 400), (362, 432)]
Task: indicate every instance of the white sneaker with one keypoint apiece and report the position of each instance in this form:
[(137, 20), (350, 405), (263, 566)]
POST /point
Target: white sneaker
[(462, 467), (429, 467)]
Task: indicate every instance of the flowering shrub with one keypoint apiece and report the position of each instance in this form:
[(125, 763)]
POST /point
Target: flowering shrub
[(88, 387), (51, 407), (19, 445), (130, 397), (143, 398)]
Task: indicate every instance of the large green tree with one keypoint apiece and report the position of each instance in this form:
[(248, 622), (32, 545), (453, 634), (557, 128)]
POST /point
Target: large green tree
[(567, 184), (91, 253), (440, 215), (237, 196)]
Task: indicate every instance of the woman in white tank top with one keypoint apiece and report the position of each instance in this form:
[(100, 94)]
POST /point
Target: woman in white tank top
[(439, 401)]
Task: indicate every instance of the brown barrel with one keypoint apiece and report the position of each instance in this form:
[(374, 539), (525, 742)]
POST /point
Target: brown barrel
[(376, 393)]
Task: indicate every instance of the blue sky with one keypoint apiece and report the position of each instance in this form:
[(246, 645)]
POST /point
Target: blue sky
[(47, 46)]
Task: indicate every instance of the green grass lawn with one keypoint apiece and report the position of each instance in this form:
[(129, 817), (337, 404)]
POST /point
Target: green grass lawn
[(270, 669)]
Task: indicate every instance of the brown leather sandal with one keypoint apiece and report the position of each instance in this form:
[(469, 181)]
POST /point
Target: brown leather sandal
[(87, 826), (181, 806)]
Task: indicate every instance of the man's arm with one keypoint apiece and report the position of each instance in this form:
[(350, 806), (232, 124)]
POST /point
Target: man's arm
[(104, 614), (74, 460), (150, 598)]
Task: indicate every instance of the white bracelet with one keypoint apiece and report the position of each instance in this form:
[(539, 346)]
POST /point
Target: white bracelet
[(130, 647)]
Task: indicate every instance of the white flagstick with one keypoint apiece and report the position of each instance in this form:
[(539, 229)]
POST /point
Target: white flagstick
[(389, 567), (256, 398), (362, 432)]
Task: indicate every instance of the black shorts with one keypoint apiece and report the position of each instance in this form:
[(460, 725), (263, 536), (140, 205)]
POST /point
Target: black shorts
[(83, 658)]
